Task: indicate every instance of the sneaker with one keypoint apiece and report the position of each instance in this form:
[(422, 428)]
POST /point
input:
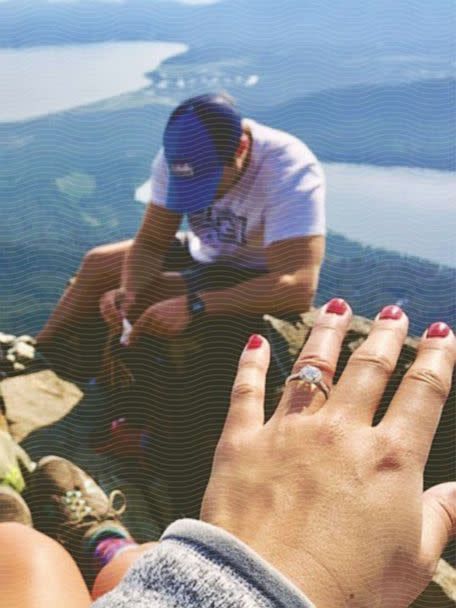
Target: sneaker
[(14, 462), (13, 507), (70, 507)]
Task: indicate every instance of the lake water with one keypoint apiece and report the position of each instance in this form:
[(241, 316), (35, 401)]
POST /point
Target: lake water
[(44, 80), (407, 210), (412, 211)]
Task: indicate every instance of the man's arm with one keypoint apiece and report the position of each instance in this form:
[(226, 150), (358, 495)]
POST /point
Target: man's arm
[(289, 285), (145, 258)]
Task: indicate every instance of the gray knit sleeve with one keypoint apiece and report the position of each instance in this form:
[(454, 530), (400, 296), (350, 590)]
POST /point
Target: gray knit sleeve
[(197, 565)]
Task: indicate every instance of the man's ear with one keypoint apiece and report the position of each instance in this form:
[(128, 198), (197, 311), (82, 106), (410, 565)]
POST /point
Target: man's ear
[(243, 146)]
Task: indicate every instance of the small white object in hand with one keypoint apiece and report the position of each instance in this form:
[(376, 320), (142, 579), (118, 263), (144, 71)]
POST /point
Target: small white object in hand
[(126, 331)]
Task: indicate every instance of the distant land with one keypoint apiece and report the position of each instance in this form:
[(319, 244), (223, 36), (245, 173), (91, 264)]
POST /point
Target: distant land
[(67, 183), (286, 24), (409, 124)]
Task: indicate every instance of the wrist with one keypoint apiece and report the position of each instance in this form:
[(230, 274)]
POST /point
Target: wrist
[(256, 582), (302, 569), (310, 575)]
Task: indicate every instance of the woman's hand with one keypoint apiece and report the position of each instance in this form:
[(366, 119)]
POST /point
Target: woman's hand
[(332, 502)]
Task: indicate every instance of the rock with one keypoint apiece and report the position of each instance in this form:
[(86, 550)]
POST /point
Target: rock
[(37, 400), (445, 578), (17, 354), (49, 415), (6, 339), (27, 340), (22, 351)]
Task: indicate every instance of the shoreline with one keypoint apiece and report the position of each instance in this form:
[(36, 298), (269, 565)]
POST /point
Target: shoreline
[(98, 66)]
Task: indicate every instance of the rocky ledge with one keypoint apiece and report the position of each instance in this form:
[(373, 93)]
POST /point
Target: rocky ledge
[(184, 410)]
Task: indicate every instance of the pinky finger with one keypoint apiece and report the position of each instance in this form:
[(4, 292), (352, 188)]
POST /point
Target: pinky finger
[(246, 410)]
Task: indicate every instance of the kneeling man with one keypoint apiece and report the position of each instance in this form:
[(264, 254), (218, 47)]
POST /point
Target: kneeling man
[(254, 201)]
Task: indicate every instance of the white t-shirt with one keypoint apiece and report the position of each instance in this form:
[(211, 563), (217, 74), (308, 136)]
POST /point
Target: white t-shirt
[(280, 196)]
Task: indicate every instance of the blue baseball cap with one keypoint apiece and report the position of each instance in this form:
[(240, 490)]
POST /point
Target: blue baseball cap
[(201, 136)]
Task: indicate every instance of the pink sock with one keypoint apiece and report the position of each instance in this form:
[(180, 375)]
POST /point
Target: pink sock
[(108, 548)]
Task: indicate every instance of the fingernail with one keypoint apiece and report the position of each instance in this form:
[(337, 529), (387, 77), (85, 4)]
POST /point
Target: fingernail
[(337, 306), (255, 341), (391, 312), (438, 330)]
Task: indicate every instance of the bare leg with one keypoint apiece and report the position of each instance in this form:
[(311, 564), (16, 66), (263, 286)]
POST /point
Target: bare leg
[(111, 575), (75, 338), (37, 572), (99, 272)]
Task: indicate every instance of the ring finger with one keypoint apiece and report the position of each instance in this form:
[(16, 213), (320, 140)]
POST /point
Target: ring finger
[(322, 351)]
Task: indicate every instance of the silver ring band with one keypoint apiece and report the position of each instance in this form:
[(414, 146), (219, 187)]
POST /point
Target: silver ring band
[(309, 374)]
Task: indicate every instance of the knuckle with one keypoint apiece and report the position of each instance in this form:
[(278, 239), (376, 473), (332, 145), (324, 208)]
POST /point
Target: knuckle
[(393, 452), (107, 299), (331, 430), (328, 327), (243, 390), (254, 366), (429, 379), (93, 255), (94, 264), (377, 360), (228, 447)]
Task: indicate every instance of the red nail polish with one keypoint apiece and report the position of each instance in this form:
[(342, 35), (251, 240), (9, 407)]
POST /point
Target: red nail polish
[(255, 341), (336, 306), (438, 330), (391, 312)]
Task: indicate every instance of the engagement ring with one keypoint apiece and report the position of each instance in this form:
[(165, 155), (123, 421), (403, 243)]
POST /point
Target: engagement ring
[(309, 374)]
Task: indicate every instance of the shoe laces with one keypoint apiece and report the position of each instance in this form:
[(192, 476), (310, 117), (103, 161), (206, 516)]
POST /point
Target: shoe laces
[(81, 513)]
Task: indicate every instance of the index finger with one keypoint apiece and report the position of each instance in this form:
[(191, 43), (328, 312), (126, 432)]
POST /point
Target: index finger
[(247, 397), (417, 405)]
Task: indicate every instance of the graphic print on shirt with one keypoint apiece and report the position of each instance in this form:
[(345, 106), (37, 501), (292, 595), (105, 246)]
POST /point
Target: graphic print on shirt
[(220, 226)]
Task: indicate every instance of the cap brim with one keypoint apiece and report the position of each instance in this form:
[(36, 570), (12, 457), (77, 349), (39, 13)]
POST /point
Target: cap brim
[(191, 194)]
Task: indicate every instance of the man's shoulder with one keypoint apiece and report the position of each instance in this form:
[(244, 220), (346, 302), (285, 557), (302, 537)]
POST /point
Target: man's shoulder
[(278, 146), (269, 133)]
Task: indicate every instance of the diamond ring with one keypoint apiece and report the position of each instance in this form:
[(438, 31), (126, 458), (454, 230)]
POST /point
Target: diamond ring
[(309, 374)]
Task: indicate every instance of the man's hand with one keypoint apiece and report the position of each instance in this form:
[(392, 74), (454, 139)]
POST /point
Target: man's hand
[(165, 319), (332, 501), (114, 306), (142, 266)]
